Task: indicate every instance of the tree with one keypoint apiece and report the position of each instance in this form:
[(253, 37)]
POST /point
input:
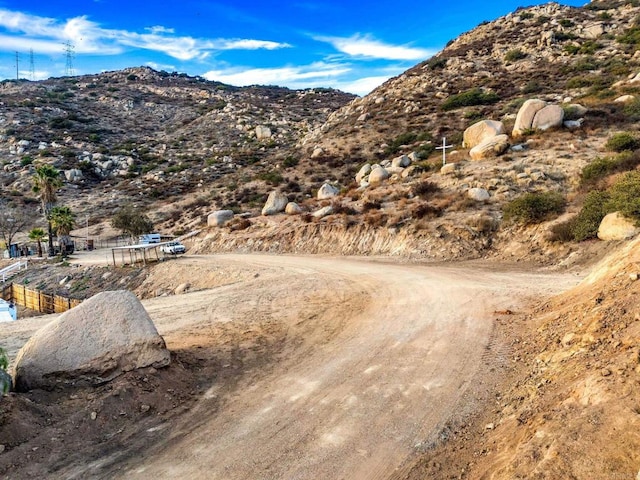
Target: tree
[(12, 221), (131, 221), (46, 182), (38, 234), (62, 221)]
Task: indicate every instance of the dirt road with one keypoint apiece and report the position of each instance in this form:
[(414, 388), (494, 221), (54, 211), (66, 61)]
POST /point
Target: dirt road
[(372, 359)]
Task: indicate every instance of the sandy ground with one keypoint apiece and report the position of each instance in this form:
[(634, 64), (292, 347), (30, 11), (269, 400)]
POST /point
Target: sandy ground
[(358, 364)]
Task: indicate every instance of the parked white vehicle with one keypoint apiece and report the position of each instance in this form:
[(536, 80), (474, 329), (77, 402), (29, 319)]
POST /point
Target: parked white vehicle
[(148, 238), (173, 248), (8, 311)]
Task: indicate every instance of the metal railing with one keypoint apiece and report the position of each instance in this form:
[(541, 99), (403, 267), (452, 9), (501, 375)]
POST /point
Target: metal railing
[(8, 272)]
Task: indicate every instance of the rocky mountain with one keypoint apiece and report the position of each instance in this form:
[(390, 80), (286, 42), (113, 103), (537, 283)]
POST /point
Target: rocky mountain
[(138, 133)]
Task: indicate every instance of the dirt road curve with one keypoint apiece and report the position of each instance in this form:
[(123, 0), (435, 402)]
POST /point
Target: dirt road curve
[(377, 357)]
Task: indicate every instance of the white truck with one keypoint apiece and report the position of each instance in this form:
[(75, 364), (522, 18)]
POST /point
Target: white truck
[(173, 248)]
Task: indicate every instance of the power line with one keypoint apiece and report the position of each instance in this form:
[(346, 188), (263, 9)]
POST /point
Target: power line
[(32, 66), (69, 51)]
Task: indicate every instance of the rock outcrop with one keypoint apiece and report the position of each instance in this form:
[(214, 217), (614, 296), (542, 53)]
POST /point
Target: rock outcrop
[(276, 203), (293, 208), (526, 114), (482, 131), (548, 117), (616, 227), (327, 191), (105, 336), (219, 218), (478, 194), (490, 148), (378, 175)]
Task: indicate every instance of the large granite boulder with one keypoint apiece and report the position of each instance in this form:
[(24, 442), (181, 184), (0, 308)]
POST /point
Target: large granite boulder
[(616, 227), (327, 191), (478, 194), (263, 133), (378, 175), (490, 148), (363, 172), (293, 208), (403, 161), (526, 114), (481, 131), (219, 218), (103, 337), (548, 117), (276, 203)]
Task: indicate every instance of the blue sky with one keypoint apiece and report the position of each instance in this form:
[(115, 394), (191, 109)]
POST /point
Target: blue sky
[(345, 44)]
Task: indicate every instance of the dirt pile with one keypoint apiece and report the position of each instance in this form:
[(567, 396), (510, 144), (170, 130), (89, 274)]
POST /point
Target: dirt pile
[(571, 409)]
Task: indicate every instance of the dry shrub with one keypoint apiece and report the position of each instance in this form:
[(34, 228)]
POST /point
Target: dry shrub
[(339, 208), (425, 189), (425, 210), (238, 224), (371, 205), (484, 224), (375, 218)]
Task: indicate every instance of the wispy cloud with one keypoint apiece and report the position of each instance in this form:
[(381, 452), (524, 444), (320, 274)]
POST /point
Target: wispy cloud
[(292, 76), (45, 35), (367, 47)]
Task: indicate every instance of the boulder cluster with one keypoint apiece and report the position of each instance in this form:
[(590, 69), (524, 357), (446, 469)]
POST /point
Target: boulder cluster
[(488, 138)]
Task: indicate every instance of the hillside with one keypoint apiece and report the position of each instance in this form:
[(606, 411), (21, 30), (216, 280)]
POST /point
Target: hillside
[(144, 136), (181, 147)]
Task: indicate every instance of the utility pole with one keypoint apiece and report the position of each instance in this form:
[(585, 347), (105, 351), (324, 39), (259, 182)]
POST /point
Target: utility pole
[(32, 66), (17, 66), (68, 49)]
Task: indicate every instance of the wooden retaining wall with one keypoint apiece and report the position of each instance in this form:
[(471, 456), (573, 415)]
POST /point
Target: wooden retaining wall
[(37, 300)]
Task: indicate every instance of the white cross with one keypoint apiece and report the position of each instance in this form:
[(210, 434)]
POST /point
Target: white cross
[(444, 150)]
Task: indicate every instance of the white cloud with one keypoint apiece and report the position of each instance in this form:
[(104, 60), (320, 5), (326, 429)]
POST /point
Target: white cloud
[(361, 86), (364, 46), (46, 35), (246, 44), (292, 77), (160, 29)]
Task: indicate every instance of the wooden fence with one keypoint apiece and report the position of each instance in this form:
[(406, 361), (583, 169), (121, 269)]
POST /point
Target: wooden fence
[(37, 300)]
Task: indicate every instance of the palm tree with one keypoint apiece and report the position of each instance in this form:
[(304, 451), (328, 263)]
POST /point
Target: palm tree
[(46, 181), (62, 221), (38, 235)]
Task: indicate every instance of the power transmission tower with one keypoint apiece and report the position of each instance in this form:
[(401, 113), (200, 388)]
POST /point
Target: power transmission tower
[(68, 49), (32, 66), (17, 66)]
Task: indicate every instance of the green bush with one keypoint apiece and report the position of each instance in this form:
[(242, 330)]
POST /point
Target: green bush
[(602, 167), (596, 170), (271, 178), (435, 63), (630, 37), (515, 55), (624, 196), (475, 96), (619, 142), (585, 225), (533, 208), (632, 110)]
